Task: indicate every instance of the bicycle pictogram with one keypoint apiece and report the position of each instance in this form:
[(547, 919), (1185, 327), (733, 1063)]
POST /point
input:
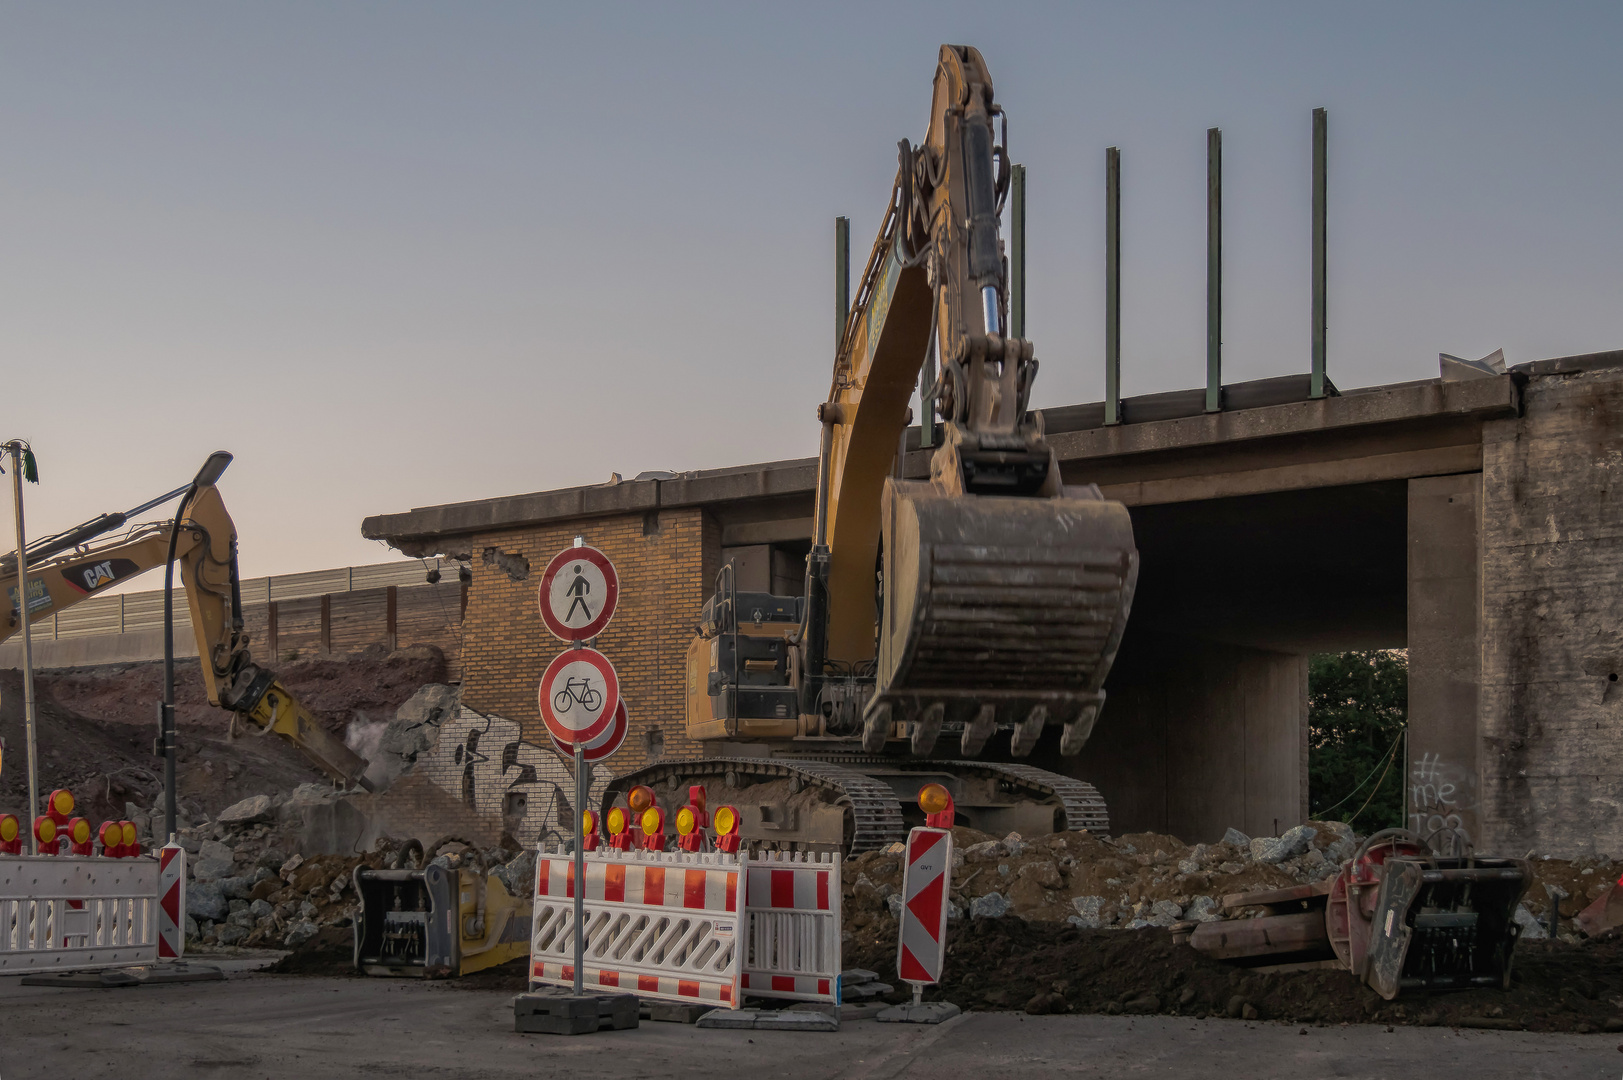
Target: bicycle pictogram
[(577, 692)]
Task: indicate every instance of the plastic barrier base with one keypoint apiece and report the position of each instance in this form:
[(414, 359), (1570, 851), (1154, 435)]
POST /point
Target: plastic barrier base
[(567, 1014)]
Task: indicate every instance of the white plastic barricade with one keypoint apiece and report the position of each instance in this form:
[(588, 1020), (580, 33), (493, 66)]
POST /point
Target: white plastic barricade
[(792, 935), (58, 913), (660, 925)]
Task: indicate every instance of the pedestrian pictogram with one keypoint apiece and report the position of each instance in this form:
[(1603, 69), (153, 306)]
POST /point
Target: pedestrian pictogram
[(606, 743), (922, 948), (578, 593), (578, 696)]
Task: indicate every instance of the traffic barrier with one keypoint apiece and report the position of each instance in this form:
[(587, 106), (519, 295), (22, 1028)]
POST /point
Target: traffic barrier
[(58, 913), (792, 928), (662, 925)]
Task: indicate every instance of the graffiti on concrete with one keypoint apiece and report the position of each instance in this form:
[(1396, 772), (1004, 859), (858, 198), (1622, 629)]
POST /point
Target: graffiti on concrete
[(1440, 803), (483, 761)]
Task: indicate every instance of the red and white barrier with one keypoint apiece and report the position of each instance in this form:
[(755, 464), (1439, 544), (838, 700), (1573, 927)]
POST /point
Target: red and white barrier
[(661, 925), (58, 913), (171, 902), (792, 926), (922, 947)]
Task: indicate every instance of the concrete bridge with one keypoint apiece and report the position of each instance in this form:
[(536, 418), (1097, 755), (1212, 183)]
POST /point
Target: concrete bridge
[(1471, 522)]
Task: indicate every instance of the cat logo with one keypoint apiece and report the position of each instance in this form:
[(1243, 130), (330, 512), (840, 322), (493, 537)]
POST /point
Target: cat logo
[(88, 577)]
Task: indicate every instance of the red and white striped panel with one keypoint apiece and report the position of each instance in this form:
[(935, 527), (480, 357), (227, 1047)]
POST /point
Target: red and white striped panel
[(695, 888), (171, 902), (799, 986), (647, 985), (797, 888)]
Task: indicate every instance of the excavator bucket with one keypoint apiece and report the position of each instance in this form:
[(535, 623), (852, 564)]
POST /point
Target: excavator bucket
[(1000, 610)]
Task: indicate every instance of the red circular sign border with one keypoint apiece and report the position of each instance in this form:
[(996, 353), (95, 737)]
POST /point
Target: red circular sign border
[(604, 615), (613, 741), (611, 691)]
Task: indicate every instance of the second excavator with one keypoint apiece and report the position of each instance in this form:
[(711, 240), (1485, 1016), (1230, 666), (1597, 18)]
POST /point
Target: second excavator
[(987, 601)]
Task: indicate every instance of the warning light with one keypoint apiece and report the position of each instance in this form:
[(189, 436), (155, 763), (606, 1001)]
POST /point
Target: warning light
[(691, 821), (588, 830), (640, 798), (936, 802), (79, 836), (45, 832), (127, 830), (11, 834), (620, 835), (617, 821), (652, 823), (727, 838), (59, 805), (685, 820), (696, 797), (111, 834)]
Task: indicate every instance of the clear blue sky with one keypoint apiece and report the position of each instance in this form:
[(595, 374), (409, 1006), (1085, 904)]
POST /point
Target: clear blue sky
[(396, 254)]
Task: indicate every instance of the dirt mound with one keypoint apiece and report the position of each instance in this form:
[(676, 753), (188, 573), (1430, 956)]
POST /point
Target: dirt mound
[(330, 952), (97, 727), (1045, 968)]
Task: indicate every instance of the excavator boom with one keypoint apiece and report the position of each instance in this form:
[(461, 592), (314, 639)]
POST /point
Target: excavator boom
[(206, 558)]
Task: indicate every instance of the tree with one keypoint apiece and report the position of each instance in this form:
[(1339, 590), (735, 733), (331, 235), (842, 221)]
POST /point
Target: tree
[(1357, 716)]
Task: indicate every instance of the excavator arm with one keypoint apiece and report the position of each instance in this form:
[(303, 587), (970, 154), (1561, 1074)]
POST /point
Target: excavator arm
[(206, 561)]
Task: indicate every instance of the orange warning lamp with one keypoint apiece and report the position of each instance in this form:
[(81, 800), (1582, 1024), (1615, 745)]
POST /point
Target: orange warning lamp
[(45, 833), (640, 798), (652, 823), (588, 831), (59, 806), (620, 838), (936, 802), (111, 835), (11, 835), (79, 836), (127, 831), (727, 838)]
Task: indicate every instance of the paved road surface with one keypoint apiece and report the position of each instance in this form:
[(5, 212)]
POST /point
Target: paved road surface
[(256, 1025)]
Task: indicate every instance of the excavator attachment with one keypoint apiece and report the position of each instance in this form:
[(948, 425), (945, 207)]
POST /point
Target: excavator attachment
[(999, 611)]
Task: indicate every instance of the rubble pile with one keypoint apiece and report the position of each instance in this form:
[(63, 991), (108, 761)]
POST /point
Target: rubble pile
[(1102, 882)]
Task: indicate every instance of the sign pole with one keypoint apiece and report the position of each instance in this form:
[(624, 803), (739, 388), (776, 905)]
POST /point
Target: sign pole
[(29, 722), (581, 787)]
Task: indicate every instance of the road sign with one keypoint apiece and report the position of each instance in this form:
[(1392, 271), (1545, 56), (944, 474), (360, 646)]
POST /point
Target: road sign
[(578, 593), (923, 937), (578, 696), (606, 743)]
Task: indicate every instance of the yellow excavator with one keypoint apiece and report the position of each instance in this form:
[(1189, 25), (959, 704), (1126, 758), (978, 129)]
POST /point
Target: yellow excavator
[(68, 568), (991, 597)]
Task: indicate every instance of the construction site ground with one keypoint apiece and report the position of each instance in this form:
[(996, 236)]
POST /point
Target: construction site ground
[(261, 1025)]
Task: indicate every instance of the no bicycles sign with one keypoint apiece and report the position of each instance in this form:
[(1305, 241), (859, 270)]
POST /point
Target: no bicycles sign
[(579, 695)]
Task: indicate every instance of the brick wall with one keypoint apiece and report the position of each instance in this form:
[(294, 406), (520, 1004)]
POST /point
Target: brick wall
[(666, 561), (1550, 758)]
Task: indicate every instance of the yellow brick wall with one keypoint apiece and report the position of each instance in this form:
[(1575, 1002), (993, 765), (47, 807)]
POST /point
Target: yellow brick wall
[(666, 561)]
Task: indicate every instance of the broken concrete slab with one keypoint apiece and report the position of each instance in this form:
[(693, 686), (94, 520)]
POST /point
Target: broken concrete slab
[(117, 978), (769, 1020), (927, 1012), (670, 1012)]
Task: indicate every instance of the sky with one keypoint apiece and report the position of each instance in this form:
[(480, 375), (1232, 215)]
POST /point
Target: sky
[(398, 254)]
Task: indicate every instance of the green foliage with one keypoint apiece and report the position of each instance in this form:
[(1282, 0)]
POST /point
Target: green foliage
[(1357, 712)]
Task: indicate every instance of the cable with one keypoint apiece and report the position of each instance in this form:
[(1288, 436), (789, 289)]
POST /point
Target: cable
[(1387, 757), (1376, 790)]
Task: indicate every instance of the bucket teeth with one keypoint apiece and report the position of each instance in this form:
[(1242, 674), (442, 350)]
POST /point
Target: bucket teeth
[(978, 730), (876, 728), (1075, 735), (928, 728), (1028, 731)]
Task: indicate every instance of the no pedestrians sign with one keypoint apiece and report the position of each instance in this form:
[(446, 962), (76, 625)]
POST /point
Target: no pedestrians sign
[(578, 593)]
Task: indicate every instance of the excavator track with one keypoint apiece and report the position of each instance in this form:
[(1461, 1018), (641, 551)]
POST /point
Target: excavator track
[(875, 813)]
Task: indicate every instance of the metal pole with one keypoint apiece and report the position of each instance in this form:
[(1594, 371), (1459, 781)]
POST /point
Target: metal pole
[(1320, 310), (1017, 253), (842, 279), (1113, 285), (581, 795), (30, 721), (166, 708), (1214, 269)]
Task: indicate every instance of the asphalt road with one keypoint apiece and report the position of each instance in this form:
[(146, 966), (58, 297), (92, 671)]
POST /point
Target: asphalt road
[(254, 1025)]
